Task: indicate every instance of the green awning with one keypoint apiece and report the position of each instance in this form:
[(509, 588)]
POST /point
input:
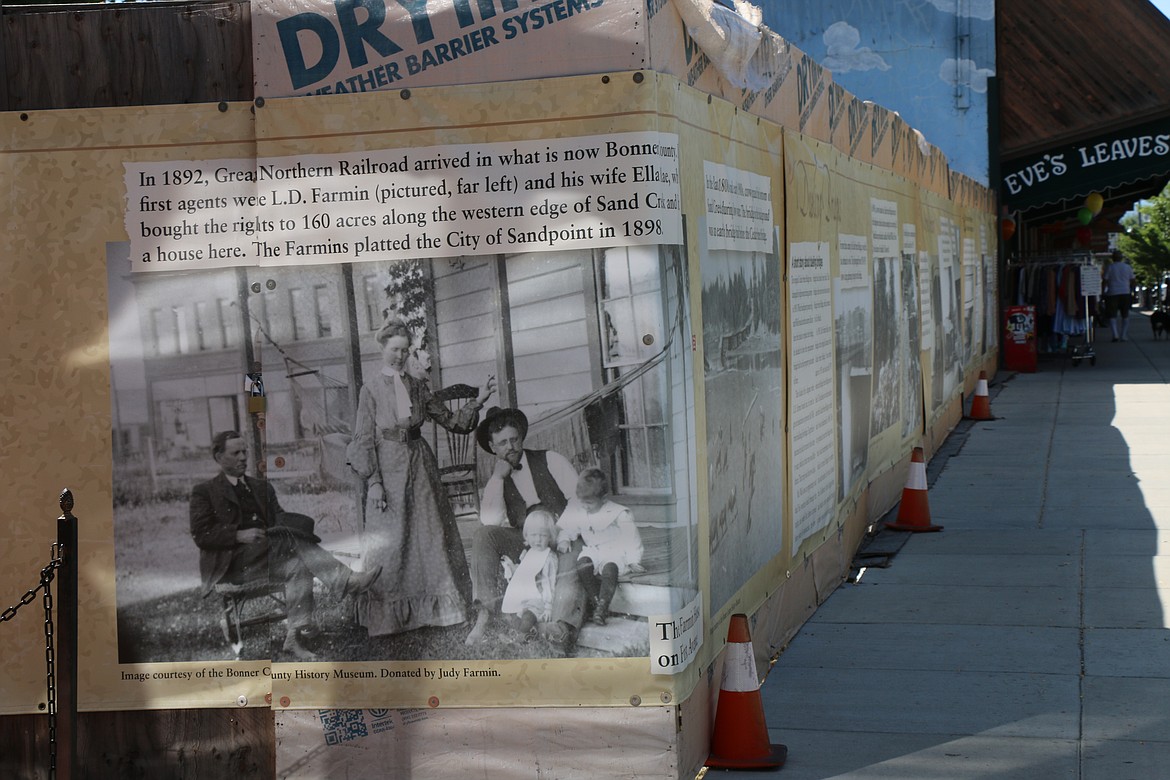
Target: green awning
[(1073, 171)]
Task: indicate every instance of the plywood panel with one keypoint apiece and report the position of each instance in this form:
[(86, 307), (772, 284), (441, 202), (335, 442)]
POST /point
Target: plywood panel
[(200, 744), (127, 55)]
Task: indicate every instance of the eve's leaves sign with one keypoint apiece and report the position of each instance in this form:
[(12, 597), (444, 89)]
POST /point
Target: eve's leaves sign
[(1074, 170)]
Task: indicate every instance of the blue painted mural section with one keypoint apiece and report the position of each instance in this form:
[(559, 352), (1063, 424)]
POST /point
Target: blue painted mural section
[(929, 60)]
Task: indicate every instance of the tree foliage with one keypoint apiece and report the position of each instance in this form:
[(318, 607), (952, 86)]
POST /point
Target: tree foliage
[(1146, 240), (408, 295)]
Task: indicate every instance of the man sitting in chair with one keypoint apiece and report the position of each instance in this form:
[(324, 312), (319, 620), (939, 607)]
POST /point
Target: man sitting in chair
[(244, 536)]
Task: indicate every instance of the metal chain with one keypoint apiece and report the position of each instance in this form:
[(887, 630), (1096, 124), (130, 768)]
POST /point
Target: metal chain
[(50, 658), (27, 598), (46, 581)]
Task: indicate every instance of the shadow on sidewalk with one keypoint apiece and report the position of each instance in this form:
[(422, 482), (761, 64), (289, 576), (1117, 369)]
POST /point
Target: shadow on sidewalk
[(1028, 639)]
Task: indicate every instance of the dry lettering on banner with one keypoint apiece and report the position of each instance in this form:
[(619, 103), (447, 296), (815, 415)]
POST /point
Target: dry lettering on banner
[(319, 47), (675, 639), (391, 204), (739, 209)]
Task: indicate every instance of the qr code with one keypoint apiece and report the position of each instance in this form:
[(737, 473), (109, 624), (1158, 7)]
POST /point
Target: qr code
[(342, 725)]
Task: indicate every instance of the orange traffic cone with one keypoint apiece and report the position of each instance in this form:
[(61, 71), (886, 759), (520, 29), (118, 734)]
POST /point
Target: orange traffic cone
[(981, 404), (740, 740), (914, 510)]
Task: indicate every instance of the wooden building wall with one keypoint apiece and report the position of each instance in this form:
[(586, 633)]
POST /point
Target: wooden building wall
[(180, 744), (134, 54), (550, 324)]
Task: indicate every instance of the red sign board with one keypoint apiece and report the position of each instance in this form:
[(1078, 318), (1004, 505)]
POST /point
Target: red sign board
[(1019, 338)]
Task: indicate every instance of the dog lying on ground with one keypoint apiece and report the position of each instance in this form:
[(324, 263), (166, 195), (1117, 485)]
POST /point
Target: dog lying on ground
[(1160, 322)]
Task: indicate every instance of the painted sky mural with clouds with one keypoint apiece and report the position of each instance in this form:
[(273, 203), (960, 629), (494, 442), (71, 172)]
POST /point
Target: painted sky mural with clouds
[(929, 60)]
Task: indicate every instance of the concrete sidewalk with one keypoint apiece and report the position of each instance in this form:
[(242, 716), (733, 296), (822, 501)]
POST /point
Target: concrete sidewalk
[(1029, 639)]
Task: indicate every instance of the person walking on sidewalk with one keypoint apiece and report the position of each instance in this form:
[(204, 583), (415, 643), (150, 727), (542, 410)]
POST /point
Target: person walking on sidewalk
[(1118, 279)]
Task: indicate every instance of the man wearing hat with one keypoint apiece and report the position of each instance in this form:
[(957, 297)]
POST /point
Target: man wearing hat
[(243, 535), (521, 479)]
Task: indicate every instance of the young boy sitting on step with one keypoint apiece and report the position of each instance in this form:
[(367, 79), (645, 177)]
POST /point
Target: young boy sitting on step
[(612, 544)]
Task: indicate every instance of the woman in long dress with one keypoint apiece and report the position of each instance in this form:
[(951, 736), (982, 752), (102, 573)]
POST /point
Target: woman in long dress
[(410, 529)]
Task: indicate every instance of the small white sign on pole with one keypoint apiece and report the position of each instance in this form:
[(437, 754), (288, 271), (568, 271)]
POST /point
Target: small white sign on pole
[(1090, 282)]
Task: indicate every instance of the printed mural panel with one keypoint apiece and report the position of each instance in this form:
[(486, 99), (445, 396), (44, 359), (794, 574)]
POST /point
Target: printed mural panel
[(203, 315), (588, 341)]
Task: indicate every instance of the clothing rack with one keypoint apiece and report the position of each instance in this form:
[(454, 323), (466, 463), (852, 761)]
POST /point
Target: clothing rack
[(1052, 283), (1077, 257)]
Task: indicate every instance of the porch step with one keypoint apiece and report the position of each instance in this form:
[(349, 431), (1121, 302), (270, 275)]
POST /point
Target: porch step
[(619, 636), (624, 634), (645, 599)]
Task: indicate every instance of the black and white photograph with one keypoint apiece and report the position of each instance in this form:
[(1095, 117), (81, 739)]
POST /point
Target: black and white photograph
[(887, 344), (853, 331), (911, 329), (971, 279), (432, 459), (938, 353), (743, 379), (952, 333), (989, 307)]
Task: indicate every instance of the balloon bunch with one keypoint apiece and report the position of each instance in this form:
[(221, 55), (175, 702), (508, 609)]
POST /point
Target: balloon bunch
[(1093, 204)]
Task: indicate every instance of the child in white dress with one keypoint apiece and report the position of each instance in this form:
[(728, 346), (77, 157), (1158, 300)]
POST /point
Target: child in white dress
[(611, 544), (529, 595)]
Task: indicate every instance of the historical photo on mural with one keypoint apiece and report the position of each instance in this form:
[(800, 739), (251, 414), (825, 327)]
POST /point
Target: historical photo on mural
[(885, 235), (887, 344), (989, 308), (744, 383), (952, 334), (432, 459), (970, 293), (938, 356), (853, 327), (911, 330)]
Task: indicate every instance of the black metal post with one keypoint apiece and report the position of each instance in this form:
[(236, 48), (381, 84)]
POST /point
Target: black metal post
[(66, 652)]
